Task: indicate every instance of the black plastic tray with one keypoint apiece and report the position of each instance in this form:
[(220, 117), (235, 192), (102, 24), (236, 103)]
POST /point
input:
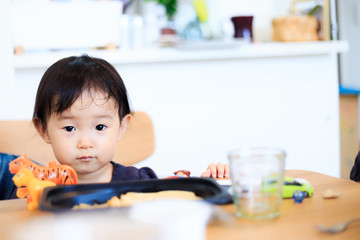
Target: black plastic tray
[(64, 197)]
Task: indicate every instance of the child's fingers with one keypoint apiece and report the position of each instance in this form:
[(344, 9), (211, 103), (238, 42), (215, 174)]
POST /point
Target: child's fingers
[(207, 173), (213, 170), (220, 170), (227, 171)]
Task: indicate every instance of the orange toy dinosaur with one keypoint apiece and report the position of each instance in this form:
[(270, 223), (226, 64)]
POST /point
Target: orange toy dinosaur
[(30, 187), (59, 174)]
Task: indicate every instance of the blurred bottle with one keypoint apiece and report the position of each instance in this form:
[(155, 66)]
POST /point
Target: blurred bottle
[(124, 32), (151, 23), (137, 32)]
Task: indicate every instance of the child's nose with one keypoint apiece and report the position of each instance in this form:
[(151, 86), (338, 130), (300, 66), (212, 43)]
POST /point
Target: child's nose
[(84, 143)]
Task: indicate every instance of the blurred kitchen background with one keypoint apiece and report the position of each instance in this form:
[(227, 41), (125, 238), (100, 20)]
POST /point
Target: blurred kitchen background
[(183, 66), (138, 23)]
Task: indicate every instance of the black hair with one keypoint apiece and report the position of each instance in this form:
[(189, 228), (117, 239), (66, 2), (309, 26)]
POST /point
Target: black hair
[(64, 81)]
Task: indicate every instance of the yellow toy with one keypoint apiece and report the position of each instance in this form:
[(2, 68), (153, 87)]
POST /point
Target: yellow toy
[(32, 187), (201, 10)]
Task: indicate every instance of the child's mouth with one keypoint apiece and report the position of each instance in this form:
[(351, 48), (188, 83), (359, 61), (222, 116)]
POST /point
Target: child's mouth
[(86, 158)]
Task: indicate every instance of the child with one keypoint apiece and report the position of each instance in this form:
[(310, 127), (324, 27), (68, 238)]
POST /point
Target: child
[(82, 110), (355, 170)]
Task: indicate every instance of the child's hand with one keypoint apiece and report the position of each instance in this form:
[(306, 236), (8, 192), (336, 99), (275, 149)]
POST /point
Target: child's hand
[(219, 170), (182, 173)]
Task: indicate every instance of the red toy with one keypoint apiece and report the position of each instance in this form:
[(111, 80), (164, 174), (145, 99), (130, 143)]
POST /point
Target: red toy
[(58, 174)]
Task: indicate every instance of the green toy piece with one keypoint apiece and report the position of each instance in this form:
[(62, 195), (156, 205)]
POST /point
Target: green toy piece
[(292, 185)]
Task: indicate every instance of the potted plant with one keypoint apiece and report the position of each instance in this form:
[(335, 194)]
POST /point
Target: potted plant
[(170, 7)]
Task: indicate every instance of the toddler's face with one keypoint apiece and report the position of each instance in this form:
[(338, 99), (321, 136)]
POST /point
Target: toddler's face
[(85, 136)]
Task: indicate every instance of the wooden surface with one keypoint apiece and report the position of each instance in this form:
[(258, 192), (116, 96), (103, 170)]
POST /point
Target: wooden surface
[(20, 137), (296, 221)]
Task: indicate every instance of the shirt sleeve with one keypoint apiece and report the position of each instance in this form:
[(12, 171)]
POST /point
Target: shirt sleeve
[(147, 173), (123, 173), (7, 186), (355, 171)]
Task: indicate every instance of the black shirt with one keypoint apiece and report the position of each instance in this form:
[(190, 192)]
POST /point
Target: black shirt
[(355, 171), (122, 173)]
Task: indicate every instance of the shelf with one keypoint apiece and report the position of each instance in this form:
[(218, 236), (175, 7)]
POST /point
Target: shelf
[(166, 55)]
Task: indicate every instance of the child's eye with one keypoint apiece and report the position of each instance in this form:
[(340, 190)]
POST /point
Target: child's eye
[(69, 128), (100, 127)]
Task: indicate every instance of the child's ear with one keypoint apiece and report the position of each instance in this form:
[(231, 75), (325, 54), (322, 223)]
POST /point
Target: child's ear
[(123, 126), (41, 130)]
